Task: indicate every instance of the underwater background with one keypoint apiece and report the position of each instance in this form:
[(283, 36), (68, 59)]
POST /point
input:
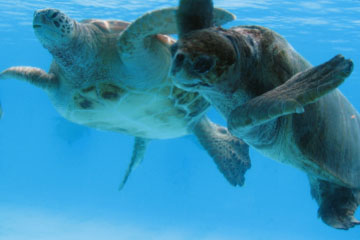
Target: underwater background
[(59, 181)]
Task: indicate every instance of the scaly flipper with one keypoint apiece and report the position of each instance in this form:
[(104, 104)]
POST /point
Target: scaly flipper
[(136, 158), (338, 204), (35, 76), (230, 154), (291, 97), (161, 21)]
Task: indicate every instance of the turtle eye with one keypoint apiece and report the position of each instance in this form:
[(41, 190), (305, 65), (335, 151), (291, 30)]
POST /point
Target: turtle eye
[(55, 14), (203, 64)]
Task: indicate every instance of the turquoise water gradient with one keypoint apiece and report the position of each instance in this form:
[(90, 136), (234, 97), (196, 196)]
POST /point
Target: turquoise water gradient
[(58, 181)]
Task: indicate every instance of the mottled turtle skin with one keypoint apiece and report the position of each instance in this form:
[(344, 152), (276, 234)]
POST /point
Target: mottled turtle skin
[(91, 81), (277, 103), (113, 75)]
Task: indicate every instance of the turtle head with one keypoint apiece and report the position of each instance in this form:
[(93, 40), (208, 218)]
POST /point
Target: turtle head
[(53, 28), (203, 53), (201, 59)]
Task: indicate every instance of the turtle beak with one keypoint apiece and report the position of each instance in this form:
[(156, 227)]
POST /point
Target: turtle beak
[(36, 20), (48, 16), (40, 19), (181, 76)]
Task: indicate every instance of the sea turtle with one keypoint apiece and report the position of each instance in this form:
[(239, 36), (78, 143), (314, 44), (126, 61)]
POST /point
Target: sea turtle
[(276, 102), (113, 75)]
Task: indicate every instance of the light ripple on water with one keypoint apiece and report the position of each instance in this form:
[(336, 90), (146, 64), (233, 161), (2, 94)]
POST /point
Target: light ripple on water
[(300, 22), (261, 11)]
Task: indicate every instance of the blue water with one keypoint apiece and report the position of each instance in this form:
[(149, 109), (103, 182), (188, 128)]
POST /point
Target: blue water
[(58, 181)]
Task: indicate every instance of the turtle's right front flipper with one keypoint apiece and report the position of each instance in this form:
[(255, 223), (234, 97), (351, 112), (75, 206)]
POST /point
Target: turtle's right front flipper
[(291, 97), (35, 76)]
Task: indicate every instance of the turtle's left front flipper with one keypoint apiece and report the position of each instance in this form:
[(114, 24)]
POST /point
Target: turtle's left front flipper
[(136, 158), (231, 154), (291, 97), (35, 76), (162, 21)]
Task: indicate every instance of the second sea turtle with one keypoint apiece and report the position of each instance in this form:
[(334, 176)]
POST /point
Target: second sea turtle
[(277, 103)]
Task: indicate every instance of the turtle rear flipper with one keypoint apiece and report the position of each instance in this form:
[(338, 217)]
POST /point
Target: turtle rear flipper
[(231, 154), (337, 203), (140, 146), (291, 97)]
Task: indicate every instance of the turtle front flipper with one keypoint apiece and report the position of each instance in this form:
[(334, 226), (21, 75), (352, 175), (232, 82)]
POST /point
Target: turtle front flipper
[(162, 21), (291, 97), (136, 158), (230, 154), (35, 76)]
